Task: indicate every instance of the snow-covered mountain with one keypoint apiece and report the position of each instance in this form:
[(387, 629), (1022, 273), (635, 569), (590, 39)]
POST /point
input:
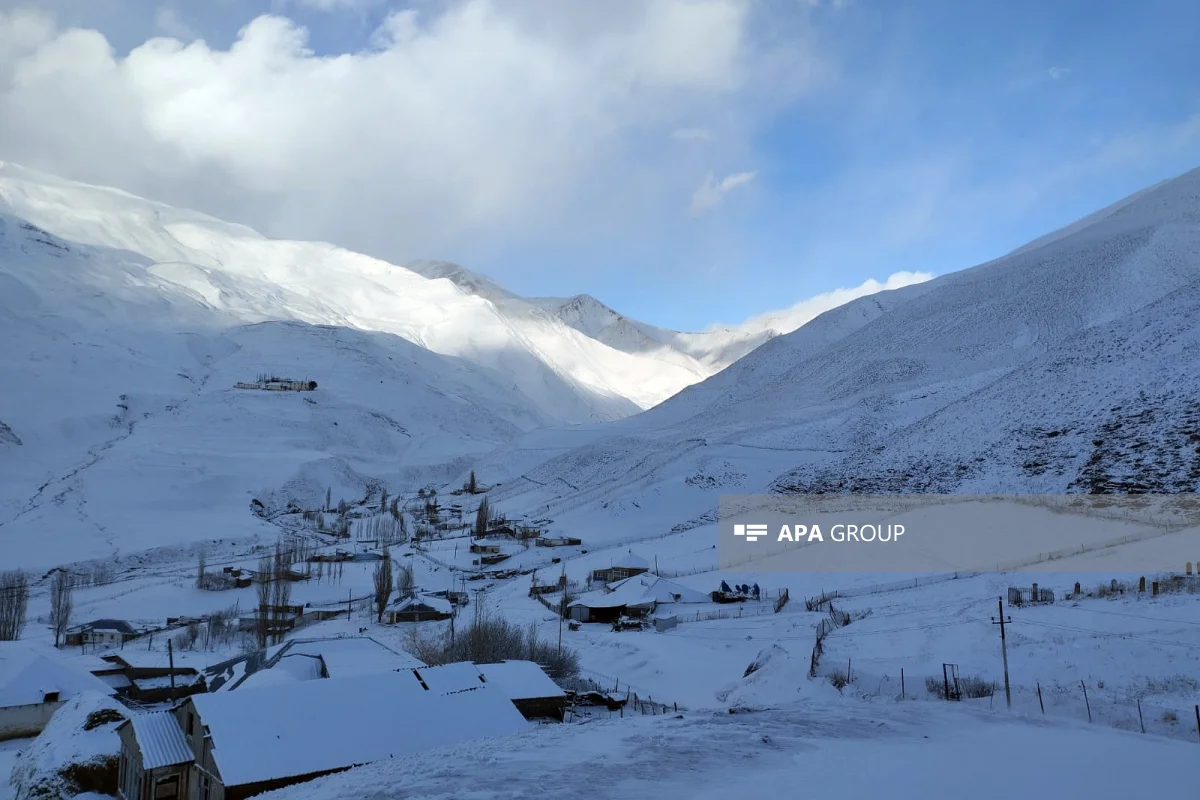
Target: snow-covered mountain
[(1069, 365), (566, 376), (711, 350), (127, 323)]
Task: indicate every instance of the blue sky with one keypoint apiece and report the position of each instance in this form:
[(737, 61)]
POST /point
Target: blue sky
[(560, 154)]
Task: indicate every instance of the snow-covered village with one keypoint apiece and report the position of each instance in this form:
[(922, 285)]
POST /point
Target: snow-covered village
[(326, 474)]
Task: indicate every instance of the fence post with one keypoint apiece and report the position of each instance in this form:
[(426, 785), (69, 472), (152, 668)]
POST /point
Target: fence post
[(1040, 703), (1086, 701), (1198, 720), (902, 683), (1141, 721)]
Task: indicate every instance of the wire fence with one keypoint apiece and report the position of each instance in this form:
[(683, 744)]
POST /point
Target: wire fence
[(623, 698), (1161, 708)]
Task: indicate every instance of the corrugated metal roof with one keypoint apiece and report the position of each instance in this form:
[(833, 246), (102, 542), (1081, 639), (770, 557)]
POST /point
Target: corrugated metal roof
[(160, 739)]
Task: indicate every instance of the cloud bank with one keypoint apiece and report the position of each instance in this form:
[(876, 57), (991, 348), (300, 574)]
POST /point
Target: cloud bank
[(467, 121)]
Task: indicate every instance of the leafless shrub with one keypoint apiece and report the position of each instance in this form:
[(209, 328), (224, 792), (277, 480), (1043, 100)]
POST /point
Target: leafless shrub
[(976, 686), (217, 582), (405, 585), (187, 638), (491, 639)]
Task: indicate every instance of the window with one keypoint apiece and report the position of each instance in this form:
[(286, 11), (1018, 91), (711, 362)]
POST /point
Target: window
[(166, 788), (50, 697), (190, 725)]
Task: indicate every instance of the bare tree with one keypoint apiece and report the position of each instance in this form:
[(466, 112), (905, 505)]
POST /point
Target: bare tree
[(482, 517), (472, 487), (14, 601), (383, 500), (62, 595), (201, 565), (404, 581), (328, 499), (383, 584), (281, 588), (263, 589)]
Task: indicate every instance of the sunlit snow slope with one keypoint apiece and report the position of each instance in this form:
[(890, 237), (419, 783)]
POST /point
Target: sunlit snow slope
[(566, 375), (1070, 365)]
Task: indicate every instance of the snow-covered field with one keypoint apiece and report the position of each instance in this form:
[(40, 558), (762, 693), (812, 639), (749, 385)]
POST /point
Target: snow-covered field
[(814, 749)]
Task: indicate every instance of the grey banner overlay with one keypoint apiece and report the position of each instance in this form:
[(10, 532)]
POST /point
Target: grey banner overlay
[(959, 533)]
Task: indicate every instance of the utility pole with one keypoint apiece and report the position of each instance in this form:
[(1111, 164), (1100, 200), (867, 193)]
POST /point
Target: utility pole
[(171, 662), (1003, 648)]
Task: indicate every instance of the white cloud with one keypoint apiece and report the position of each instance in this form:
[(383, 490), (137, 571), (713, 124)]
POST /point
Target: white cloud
[(330, 6), (712, 192), (1055, 73), (801, 313), (470, 119)]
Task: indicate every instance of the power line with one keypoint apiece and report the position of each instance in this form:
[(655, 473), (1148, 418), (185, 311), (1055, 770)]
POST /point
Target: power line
[(1133, 616), (1112, 635)]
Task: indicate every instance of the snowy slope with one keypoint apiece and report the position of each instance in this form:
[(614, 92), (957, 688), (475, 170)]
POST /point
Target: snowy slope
[(124, 431), (1063, 367), (707, 351), (568, 377)]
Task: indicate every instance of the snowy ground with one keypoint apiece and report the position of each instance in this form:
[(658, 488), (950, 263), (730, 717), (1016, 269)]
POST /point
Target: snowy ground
[(8, 756), (820, 748)]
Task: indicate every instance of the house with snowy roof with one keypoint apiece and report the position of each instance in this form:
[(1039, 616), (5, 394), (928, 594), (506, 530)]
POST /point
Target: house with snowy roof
[(240, 744), (33, 685), (635, 596), (420, 608), (529, 688), (104, 633), (625, 566)]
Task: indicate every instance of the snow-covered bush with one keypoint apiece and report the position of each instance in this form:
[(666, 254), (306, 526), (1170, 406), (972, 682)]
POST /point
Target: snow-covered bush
[(78, 752)]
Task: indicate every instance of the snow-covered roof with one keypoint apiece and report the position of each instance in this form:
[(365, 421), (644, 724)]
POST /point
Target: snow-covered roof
[(27, 676), (160, 740), (520, 680), (258, 735), (118, 625), (660, 590), (448, 678), (639, 591), (438, 604), (301, 659), (630, 561)]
